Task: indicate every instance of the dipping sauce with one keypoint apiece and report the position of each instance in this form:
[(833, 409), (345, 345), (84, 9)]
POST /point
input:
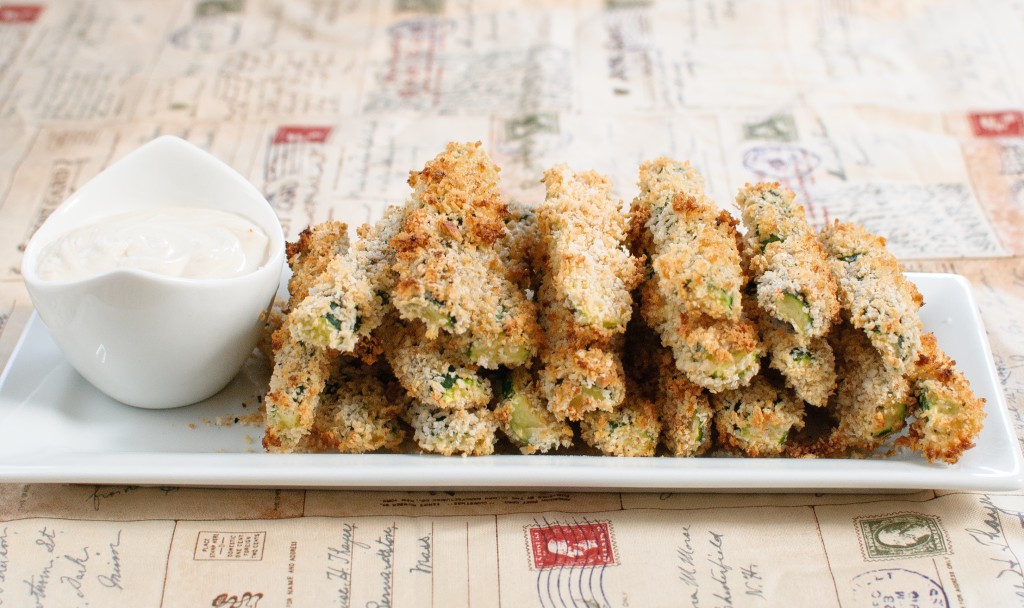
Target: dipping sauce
[(186, 242)]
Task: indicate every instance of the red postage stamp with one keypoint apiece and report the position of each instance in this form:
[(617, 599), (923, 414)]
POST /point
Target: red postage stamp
[(571, 545), (301, 134), (20, 13), (1007, 123)]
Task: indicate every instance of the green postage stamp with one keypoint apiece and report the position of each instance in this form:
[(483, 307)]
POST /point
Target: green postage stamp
[(901, 535)]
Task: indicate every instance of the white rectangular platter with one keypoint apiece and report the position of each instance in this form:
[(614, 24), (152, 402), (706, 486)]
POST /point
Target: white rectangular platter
[(56, 428)]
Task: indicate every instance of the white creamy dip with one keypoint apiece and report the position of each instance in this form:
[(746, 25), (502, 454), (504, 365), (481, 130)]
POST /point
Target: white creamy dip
[(187, 242)]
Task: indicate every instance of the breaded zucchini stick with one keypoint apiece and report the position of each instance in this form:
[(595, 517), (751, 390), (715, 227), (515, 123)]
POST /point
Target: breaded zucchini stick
[(523, 416), (875, 296), (697, 311), (349, 300), (355, 415), (683, 407), (698, 269), (577, 374), (808, 365), (519, 246), (630, 430), (450, 274), (872, 400), (787, 261), (949, 415), (757, 419), (584, 296), (430, 371), (589, 267), (447, 432), (300, 369), (300, 373), (310, 255)]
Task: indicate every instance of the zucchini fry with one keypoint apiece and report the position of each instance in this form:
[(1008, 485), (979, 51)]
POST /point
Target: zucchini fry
[(787, 262), (698, 268), (684, 409), (756, 420), (808, 365), (450, 272), (300, 369), (584, 295), (949, 415), (693, 286), (630, 430), (431, 372), (875, 296), (355, 415), (589, 268), (447, 432), (524, 418), (350, 299), (872, 401), (310, 255), (300, 373)]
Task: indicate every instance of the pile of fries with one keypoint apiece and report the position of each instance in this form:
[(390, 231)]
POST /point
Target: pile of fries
[(461, 321)]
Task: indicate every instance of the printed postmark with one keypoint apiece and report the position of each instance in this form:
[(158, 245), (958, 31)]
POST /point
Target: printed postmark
[(1007, 123), (901, 535), (781, 161), (897, 588), (571, 545)]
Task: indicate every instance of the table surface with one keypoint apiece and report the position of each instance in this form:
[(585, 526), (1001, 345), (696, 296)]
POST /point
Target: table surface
[(905, 117)]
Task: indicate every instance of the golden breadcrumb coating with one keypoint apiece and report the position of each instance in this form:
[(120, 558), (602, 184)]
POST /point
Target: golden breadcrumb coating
[(584, 295), (715, 354), (355, 415), (756, 420), (430, 371), (447, 432), (589, 267), (350, 299), (683, 407), (692, 290), (787, 261), (518, 248), (872, 400), (949, 415), (808, 365), (581, 380), (630, 430), (675, 226), (523, 416), (809, 368), (300, 368), (450, 272), (296, 383), (310, 254), (875, 296)]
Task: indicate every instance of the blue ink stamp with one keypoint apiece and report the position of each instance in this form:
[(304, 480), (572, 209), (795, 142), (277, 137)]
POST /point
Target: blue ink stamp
[(897, 588)]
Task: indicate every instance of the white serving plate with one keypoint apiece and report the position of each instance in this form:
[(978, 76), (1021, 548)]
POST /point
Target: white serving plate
[(55, 427)]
